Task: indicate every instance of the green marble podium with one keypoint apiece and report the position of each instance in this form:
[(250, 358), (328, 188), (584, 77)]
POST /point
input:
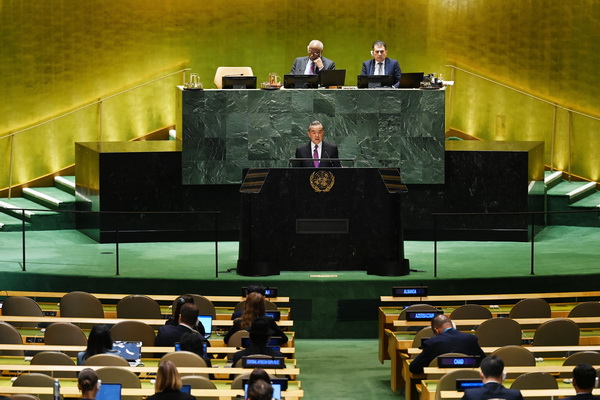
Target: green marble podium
[(225, 131)]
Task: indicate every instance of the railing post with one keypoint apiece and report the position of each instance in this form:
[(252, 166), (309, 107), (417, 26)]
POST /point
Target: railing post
[(24, 268), (532, 243), (216, 245), (117, 242), (434, 246), (10, 167)]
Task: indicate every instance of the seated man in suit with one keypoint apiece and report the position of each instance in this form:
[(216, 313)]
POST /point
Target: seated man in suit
[(492, 375), (320, 151), (584, 380), (314, 62), (260, 332), (381, 64), (168, 335), (446, 340)]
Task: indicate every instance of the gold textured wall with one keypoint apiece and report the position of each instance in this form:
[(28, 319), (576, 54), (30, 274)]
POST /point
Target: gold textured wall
[(58, 55)]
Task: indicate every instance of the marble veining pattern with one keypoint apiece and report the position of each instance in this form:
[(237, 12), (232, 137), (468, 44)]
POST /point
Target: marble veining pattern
[(225, 131)]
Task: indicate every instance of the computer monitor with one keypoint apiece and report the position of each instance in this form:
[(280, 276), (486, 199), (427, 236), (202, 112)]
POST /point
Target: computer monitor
[(239, 82), (276, 315), (109, 391), (301, 81), (374, 81), (411, 80), (206, 321), (279, 385), (332, 77)]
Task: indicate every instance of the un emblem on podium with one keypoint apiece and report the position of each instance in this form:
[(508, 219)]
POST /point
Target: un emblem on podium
[(322, 181)]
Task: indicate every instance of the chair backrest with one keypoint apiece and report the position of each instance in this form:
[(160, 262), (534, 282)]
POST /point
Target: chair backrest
[(133, 331), (199, 382), (237, 382), (119, 375), (235, 340), (54, 358), (223, 71), (9, 335), (448, 381), (422, 334), (471, 311), (81, 304), (557, 332), (185, 359), (64, 333), (36, 380), (23, 397), (515, 356), (22, 306), (531, 308), (269, 306), (417, 307), (205, 306), (434, 362), (587, 309), (112, 360), (138, 306), (535, 380), (498, 332), (582, 357)]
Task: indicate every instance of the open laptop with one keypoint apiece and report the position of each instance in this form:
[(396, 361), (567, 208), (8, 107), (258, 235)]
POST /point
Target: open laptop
[(109, 391), (206, 321), (332, 77), (411, 80), (374, 81), (129, 350), (300, 81)]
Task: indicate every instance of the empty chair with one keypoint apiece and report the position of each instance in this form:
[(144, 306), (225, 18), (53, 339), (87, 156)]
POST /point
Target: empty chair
[(556, 332), (236, 339), (587, 309), (515, 356), (498, 332), (9, 335), (36, 380), (205, 306), (185, 359), (107, 359), (63, 333), (470, 311), (448, 381), (199, 382), (224, 71), (118, 375), (535, 380), (138, 306), (422, 334), (22, 306), (81, 305), (136, 331), (54, 358), (531, 308), (582, 357)]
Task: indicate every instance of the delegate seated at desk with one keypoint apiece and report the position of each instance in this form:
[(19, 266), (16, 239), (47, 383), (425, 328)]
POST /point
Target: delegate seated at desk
[(447, 339), (321, 152), (314, 62), (584, 381), (492, 375), (381, 64)]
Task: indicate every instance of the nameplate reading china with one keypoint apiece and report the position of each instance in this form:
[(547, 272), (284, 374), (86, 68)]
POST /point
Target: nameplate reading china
[(322, 181)]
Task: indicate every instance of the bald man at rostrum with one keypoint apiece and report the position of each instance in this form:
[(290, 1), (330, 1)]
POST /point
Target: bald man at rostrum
[(314, 62)]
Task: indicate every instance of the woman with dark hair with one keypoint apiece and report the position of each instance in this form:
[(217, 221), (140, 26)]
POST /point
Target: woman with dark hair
[(254, 307), (194, 342), (88, 383), (99, 342), (168, 384)]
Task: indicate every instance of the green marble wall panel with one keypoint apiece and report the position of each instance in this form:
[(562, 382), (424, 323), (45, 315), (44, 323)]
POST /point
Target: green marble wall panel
[(225, 131)]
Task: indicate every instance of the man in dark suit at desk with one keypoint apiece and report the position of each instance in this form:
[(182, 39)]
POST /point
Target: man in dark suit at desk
[(584, 380), (492, 375), (314, 62), (447, 339), (319, 151), (381, 64), (168, 335)]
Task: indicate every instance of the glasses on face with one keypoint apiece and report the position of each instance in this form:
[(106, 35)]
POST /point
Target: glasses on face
[(315, 52)]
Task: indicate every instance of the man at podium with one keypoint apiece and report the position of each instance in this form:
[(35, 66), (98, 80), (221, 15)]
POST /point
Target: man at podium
[(322, 154)]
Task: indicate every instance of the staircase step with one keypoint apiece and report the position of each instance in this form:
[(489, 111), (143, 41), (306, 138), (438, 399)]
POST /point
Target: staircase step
[(65, 183), (11, 224), (564, 188), (590, 201), (41, 219), (552, 178), (51, 197)]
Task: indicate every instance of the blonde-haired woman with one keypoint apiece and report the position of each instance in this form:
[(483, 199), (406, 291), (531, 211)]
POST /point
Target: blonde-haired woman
[(168, 384)]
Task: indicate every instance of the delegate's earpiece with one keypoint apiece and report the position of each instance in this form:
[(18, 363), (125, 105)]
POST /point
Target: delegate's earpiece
[(503, 376), (99, 384), (372, 54)]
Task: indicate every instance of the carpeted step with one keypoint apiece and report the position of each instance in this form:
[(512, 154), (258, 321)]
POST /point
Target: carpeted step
[(11, 224), (590, 201), (562, 197), (41, 219), (51, 197), (552, 178), (65, 183)]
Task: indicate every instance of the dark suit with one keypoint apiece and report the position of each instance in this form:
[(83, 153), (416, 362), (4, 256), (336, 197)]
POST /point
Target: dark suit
[(449, 341), (171, 395), (328, 150), (391, 67), (299, 65), (583, 396), (168, 335), (250, 351), (492, 390), (237, 326)]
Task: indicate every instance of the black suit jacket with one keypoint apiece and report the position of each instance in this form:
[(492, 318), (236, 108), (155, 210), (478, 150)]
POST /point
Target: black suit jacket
[(171, 395), (583, 396), (300, 65), (492, 390), (391, 67), (450, 341), (168, 335), (329, 150)]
